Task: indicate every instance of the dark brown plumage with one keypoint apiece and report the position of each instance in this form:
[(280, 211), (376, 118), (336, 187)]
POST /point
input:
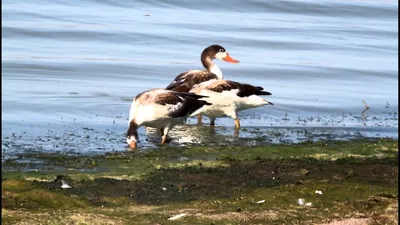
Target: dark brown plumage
[(245, 90), (189, 102), (186, 80)]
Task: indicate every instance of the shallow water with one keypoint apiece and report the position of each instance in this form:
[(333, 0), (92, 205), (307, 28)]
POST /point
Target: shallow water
[(71, 68)]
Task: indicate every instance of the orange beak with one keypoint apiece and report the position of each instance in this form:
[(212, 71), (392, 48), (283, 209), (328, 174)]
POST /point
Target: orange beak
[(133, 145), (229, 59)]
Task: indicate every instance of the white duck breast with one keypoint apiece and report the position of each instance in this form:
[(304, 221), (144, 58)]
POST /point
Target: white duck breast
[(228, 98), (162, 109)]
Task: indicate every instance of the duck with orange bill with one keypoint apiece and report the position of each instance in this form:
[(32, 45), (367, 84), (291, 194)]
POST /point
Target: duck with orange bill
[(161, 109), (186, 80)]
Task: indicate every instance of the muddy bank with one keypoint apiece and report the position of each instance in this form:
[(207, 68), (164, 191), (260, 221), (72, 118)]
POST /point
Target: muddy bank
[(354, 180)]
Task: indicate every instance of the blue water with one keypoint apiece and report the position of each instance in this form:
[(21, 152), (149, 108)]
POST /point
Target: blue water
[(74, 67)]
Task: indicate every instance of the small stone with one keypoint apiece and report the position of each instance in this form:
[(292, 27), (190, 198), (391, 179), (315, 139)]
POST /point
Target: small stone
[(177, 216), (304, 172), (350, 174), (64, 185), (260, 202)]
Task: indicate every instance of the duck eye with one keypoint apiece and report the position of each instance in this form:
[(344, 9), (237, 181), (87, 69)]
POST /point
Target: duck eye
[(221, 50)]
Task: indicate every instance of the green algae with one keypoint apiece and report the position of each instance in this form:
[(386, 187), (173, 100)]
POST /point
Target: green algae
[(221, 185)]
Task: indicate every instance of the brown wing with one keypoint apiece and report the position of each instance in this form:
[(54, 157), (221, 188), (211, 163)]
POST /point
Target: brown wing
[(174, 97), (223, 85), (143, 97), (185, 81), (190, 104), (244, 90), (168, 98), (186, 103)]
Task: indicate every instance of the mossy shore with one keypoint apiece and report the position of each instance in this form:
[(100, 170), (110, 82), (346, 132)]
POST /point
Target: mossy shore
[(358, 180)]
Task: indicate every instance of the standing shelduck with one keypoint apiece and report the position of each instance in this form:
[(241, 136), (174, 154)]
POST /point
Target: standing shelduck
[(161, 109), (186, 80), (227, 98)]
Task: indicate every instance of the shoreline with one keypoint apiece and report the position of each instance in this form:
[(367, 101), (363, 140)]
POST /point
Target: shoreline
[(220, 185)]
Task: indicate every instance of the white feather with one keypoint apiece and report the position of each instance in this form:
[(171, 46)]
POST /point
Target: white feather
[(227, 103), (215, 70), (220, 55)]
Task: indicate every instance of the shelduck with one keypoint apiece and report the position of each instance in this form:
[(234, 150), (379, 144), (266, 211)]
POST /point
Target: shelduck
[(186, 80), (161, 109), (227, 98)]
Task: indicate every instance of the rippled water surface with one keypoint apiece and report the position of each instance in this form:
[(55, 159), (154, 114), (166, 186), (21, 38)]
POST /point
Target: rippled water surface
[(71, 68)]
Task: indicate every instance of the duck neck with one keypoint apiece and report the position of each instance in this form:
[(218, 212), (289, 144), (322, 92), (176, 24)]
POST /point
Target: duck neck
[(132, 130), (210, 66)]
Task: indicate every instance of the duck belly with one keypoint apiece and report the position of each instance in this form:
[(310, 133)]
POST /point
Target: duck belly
[(163, 122), (215, 111), (222, 104), (155, 116)]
